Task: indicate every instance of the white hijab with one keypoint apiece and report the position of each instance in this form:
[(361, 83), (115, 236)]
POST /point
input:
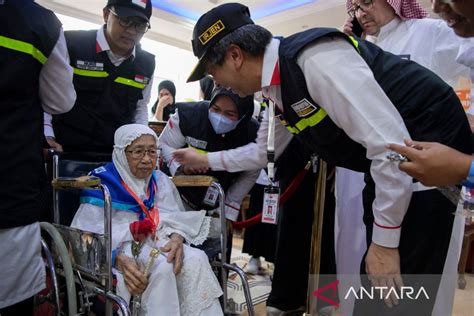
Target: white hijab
[(123, 137)]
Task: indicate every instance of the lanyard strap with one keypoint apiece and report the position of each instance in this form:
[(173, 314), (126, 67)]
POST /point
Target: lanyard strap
[(154, 211), (271, 142)]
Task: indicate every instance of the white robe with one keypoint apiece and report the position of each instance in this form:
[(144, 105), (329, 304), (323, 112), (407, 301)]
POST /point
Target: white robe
[(435, 46), (195, 290)]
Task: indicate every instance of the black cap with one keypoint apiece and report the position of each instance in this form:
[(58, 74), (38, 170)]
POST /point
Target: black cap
[(126, 8), (213, 26)]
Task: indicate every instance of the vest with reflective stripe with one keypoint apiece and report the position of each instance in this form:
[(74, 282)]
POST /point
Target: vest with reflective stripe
[(197, 129), (28, 34), (106, 95), (429, 107)]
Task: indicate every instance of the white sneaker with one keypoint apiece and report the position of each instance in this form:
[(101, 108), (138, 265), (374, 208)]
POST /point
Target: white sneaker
[(253, 266)]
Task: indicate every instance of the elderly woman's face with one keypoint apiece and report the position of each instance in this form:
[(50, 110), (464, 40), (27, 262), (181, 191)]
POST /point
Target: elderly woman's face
[(142, 154)]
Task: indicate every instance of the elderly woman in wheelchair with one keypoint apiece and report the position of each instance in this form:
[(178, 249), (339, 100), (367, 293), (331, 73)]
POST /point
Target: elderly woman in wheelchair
[(180, 281)]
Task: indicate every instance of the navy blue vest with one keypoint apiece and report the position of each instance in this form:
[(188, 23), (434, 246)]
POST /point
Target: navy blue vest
[(106, 95), (429, 107), (25, 29), (197, 129)]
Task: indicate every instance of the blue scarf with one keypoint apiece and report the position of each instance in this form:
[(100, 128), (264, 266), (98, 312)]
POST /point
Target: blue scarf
[(121, 199)]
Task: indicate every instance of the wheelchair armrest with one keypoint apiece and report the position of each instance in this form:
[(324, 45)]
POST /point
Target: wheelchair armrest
[(193, 181), (84, 182)]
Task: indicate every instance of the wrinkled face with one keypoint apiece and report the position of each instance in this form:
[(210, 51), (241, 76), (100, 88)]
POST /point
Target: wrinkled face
[(373, 14), (458, 14), (121, 39), (164, 92), (224, 105), (233, 73), (142, 155)]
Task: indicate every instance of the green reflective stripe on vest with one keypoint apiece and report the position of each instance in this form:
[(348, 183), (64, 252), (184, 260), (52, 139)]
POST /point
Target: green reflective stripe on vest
[(199, 151), (23, 47), (308, 122), (91, 73), (355, 43), (129, 82)]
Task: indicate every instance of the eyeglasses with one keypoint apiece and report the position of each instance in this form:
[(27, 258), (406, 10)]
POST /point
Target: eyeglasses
[(140, 153), (364, 6), (126, 22)]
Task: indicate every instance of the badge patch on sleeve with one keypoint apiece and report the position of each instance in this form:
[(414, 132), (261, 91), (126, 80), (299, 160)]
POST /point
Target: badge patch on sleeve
[(303, 108)]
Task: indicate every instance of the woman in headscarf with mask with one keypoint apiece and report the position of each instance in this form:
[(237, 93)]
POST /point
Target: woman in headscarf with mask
[(223, 123), (181, 281), (166, 103)]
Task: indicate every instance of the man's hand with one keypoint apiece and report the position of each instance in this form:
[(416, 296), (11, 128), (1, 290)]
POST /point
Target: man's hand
[(190, 158), (176, 252), (383, 268), (135, 280), (52, 143), (433, 164), (347, 27), (191, 170), (470, 119)]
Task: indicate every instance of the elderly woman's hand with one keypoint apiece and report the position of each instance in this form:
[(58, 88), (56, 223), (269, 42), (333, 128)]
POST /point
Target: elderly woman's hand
[(135, 280), (176, 252)]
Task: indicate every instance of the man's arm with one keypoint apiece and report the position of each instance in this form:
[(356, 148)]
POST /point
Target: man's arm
[(237, 191), (434, 164), (141, 113), (357, 104), (252, 156), (56, 89), (171, 139)]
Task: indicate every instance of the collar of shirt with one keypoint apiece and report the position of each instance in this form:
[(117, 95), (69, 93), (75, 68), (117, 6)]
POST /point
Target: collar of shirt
[(102, 45), (385, 30), (271, 74)]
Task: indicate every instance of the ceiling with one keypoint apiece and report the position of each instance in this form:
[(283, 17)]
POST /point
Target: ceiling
[(173, 21)]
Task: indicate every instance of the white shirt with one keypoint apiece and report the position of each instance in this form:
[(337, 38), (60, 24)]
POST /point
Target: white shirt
[(429, 42), (171, 139), (141, 113), (22, 271), (368, 118)]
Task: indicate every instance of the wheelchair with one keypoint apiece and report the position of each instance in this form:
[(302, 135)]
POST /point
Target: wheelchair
[(79, 262)]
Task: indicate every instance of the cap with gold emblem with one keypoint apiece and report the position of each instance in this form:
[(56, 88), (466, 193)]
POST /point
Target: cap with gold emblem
[(213, 26)]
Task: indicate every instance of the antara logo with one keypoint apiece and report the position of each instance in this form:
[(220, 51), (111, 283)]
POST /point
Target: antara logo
[(375, 292), (385, 292)]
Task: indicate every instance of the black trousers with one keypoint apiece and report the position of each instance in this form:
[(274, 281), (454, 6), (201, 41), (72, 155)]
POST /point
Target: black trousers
[(424, 243), (23, 308)]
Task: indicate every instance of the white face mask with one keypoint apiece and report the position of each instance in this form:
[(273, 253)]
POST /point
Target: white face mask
[(221, 124)]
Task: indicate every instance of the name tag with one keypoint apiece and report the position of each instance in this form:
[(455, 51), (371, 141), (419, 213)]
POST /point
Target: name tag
[(271, 197), (211, 196)]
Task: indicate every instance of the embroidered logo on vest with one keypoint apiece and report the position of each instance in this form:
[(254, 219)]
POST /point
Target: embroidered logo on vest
[(196, 143), (89, 65), (303, 108)]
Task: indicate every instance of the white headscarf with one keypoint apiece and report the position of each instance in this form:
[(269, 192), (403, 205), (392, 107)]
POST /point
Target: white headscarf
[(123, 137)]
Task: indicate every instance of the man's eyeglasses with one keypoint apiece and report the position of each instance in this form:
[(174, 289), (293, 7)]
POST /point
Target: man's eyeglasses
[(364, 6), (140, 153), (126, 22)]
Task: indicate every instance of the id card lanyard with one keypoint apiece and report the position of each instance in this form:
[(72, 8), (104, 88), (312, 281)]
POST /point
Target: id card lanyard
[(271, 194)]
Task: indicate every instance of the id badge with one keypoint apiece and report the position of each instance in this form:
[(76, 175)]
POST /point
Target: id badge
[(271, 197), (211, 196)]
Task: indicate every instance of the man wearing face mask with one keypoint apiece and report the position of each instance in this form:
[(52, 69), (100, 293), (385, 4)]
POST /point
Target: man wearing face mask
[(223, 123)]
